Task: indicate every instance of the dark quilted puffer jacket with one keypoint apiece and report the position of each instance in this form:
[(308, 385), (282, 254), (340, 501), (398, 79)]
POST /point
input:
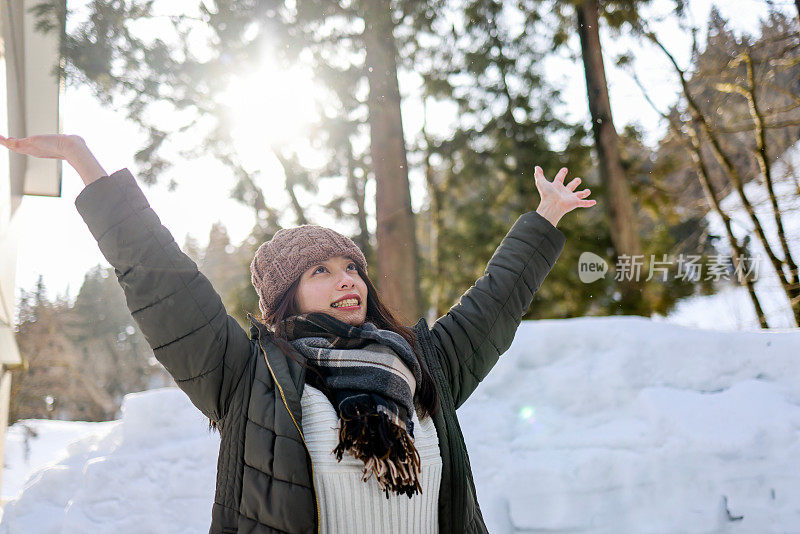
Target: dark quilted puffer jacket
[(264, 472)]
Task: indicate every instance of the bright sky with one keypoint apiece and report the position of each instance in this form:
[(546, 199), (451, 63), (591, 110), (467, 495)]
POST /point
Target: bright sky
[(55, 242)]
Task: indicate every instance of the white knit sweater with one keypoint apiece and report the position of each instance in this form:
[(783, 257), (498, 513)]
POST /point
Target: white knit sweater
[(349, 505)]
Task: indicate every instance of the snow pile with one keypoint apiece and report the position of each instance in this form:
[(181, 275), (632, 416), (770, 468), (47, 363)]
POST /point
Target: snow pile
[(622, 424), (602, 425), (151, 472), (35, 443)]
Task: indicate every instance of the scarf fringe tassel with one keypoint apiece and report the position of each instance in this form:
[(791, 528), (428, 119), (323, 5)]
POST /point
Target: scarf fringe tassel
[(386, 449)]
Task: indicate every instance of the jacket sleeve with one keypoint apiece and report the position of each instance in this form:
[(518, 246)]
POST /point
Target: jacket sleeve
[(470, 338), (178, 311)]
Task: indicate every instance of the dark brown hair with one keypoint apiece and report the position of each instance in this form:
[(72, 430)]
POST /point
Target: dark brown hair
[(379, 314)]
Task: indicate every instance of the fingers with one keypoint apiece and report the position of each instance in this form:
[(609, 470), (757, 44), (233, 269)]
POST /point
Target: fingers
[(9, 142), (538, 174), (573, 184), (585, 203)]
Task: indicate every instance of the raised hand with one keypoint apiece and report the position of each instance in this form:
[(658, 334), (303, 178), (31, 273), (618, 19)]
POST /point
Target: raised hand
[(71, 148), (557, 198), (54, 146)]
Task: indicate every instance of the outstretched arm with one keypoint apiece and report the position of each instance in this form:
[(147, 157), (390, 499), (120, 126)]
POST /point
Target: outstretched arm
[(179, 312), (470, 338)]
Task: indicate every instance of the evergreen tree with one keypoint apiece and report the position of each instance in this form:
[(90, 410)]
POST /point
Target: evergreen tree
[(80, 359), (480, 178), (583, 17), (50, 384), (115, 355), (219, 263), (185, 69), (191, 248)]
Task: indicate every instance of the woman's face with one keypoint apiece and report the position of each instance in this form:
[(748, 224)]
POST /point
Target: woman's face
[(329, 282)]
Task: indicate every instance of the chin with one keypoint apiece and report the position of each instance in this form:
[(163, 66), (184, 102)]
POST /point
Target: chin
[(353, 321)]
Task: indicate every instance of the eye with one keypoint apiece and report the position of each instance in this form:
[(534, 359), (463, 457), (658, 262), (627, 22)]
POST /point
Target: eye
[(317, 269), (353, 266)]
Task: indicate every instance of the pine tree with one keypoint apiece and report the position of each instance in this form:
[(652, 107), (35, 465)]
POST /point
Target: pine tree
[(185, 68), (80, 359), (480, 178)]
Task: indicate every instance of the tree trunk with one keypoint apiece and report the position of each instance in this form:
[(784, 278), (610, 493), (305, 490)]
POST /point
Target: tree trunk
[(619, 207), (792, 277), (398, 268), (713, 200), (434, 194), (356, 191)]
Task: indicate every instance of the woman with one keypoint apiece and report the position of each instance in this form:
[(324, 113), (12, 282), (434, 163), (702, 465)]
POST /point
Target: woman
[(372, 444)]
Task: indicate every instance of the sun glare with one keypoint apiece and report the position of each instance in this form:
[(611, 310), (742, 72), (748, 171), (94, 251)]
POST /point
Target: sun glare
[(271, 106)]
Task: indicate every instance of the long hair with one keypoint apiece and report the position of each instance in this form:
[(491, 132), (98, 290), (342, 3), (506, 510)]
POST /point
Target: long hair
[(378, 313)]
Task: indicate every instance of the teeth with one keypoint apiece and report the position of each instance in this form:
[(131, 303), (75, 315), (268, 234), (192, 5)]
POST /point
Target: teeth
[(345, 303)]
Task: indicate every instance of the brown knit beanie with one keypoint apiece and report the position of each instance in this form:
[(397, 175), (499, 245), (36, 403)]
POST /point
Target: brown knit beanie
[(284, 258)]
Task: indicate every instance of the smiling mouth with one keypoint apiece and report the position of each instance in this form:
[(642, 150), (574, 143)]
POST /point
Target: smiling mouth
[(346, 304)]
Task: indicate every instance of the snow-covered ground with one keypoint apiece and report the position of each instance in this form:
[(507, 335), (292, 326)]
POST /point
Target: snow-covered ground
[(604, 425), (628, 425), (153, 471)]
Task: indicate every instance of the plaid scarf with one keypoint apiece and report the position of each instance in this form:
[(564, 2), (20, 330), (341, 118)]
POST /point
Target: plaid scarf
[(369, 376)]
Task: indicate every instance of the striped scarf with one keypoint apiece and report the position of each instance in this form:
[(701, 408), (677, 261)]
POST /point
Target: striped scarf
[(369, 376)]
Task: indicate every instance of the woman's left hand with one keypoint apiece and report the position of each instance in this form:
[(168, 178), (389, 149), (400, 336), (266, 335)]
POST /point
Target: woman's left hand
[(557, 198)]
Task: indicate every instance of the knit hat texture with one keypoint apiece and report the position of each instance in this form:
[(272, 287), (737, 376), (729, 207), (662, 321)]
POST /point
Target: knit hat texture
[(284, 258)]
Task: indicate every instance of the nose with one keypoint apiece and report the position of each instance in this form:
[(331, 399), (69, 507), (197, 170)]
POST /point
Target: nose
[(346, 280)]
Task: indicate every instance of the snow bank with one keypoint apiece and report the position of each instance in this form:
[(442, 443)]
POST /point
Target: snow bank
[(151, 472), (603, 425), (622, 424), (34, 443)]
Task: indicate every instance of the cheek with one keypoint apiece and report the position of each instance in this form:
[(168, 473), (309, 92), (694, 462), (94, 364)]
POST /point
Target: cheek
[(303, 297), (363, 287), (311, 296)]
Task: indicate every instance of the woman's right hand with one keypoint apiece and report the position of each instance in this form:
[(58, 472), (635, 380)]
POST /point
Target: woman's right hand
[(57, 146)]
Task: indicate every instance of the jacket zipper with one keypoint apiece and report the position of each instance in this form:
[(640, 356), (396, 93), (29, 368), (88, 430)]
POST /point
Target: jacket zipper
[(283, 398)]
